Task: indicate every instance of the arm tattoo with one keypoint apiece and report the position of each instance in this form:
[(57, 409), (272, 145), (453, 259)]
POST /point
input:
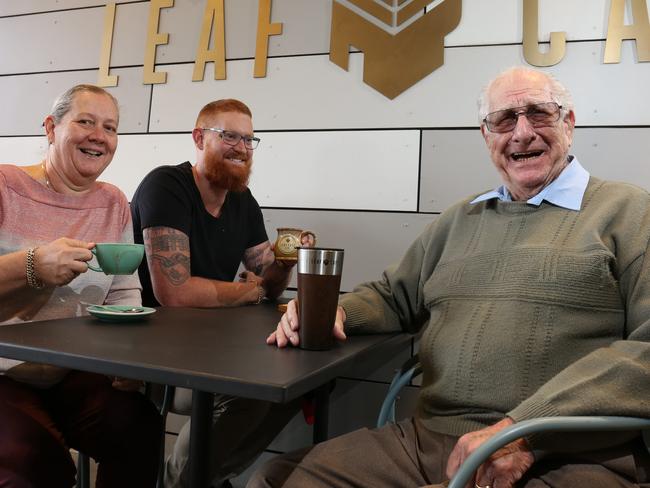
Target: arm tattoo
[(170, 248), (169, 242), (176, 267), (258, 258)]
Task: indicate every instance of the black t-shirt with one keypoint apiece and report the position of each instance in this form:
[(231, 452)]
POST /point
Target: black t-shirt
[(168, 197)]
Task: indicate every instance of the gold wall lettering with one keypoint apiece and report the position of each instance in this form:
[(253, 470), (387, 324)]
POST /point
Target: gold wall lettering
[(396, 56), (213, 21), (105, 79), (265, 29), (154, 38), (532, 54), (617, 31), (393, 63)]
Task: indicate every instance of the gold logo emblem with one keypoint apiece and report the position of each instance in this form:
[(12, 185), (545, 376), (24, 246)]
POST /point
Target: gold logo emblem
[(287, 244), (412, 48)]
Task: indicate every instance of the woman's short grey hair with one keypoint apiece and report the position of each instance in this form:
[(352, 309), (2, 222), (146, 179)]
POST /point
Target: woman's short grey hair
[(63, 103), (559, 93)]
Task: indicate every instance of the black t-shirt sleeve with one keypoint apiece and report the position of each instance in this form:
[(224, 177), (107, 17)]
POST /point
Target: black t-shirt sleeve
[(164, 200), (257, 230)]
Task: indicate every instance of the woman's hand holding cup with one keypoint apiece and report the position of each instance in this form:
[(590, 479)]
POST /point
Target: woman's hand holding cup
[(58, 262)]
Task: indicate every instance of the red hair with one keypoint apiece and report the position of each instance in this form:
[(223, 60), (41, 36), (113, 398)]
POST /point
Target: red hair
[(221, 106)]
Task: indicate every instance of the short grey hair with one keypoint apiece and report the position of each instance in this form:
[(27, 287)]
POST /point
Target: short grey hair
[(64, 101), (559, 92)]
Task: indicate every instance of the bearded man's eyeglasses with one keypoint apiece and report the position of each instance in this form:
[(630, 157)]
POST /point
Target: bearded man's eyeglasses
[(232, 138), (538, 115)]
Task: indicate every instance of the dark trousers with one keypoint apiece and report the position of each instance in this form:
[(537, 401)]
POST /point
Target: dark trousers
[(120, 430), (409, 455)]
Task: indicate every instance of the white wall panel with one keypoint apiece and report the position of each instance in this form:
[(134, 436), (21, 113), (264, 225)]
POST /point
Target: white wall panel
[(17, 7), (129, 37), (347, 170), (372, 240), (615, 154), (501, 21), (456, 164), (22, 151), (70, 40), (134, 158), (311, 92), (29, 98), (138, 154), (277, 181), (376, 170)]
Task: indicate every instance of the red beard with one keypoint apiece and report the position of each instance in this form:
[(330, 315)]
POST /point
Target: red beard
[(229, 176)]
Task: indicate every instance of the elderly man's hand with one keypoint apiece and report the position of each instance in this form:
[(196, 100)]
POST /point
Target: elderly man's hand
[(287, 331), (503, 469)]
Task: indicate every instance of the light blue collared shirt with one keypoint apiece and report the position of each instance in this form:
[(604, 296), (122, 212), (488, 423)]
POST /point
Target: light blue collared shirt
[(565, 191)]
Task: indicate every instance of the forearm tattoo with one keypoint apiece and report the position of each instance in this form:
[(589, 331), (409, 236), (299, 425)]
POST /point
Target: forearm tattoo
[(258, 258), (169, 242), (176, 267), (171, 251)]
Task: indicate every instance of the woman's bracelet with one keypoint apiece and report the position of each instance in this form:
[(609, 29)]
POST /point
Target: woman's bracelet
[(32, 279)]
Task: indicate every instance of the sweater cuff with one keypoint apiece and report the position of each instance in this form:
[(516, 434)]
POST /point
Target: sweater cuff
[(532, 410), (354, 316)]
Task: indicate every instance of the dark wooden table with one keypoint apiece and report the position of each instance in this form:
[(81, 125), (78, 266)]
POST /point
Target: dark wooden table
[(209, 351)]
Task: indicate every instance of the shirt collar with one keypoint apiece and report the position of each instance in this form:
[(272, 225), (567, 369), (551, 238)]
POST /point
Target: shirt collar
[(566, 191)]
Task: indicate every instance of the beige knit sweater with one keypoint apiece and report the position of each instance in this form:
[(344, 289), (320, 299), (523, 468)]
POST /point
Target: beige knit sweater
[(525, 311)]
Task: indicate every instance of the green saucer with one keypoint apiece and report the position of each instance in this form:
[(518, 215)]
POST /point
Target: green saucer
[(119, 313)]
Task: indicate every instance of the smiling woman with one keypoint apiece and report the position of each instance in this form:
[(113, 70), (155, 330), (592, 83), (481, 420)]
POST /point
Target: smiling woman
[(82, 139), (51, 215)]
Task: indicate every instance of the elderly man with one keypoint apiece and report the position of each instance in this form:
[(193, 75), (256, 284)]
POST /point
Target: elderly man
[(199, 223), (534, 300)]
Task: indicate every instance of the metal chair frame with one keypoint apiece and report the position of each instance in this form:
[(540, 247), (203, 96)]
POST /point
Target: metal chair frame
[(412, 368), (83, 470)]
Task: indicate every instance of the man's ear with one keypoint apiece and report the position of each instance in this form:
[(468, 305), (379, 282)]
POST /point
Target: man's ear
[(484, 132), (197, 136), (570, 121)]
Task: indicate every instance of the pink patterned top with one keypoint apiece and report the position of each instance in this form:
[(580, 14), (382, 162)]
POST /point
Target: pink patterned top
[(32, 214)]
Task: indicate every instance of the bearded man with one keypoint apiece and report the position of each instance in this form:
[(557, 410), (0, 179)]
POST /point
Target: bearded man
[(198, 223)]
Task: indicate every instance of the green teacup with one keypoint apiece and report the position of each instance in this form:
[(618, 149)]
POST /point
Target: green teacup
[(117, 258)]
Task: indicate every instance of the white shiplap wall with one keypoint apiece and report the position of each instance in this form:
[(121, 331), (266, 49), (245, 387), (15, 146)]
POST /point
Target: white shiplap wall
[(366, 173)]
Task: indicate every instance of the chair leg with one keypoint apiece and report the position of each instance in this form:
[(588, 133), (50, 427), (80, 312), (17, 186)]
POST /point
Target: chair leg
[(83, 471), (164, 410)]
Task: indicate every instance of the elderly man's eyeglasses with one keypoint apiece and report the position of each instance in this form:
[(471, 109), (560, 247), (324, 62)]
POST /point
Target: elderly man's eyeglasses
[(232, 138), (538, 115)]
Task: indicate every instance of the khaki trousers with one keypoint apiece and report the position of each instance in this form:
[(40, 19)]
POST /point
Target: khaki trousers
[(241, 430), (409, 455)]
